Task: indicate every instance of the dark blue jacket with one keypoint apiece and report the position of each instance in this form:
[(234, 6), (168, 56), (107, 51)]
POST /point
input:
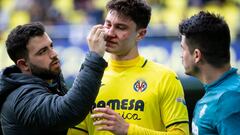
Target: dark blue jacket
[(30, 106)]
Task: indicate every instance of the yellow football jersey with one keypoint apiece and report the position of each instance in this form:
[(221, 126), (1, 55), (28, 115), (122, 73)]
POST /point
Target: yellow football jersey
[(144, 93)]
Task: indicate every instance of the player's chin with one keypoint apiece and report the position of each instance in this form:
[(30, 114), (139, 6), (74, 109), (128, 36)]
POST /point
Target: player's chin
[(56, 70), (189, 72)]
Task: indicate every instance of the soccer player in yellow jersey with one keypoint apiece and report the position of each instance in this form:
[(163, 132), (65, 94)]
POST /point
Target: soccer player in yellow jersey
[(137, 96)]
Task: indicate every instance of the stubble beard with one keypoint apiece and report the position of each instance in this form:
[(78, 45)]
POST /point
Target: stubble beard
[(193, 71), (43, 73)]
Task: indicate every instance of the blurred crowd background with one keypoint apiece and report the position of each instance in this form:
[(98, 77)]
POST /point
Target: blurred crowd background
[(166, 14), (68, 23)]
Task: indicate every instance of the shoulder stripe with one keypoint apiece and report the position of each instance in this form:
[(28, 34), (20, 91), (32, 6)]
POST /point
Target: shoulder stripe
[(80, 129), (179, 122), (145, 62)]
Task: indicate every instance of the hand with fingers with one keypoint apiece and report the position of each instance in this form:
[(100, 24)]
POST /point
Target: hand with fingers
[(109, 120), (96, 41)]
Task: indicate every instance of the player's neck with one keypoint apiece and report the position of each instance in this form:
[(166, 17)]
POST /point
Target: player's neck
[(210, 74), (127, 56)]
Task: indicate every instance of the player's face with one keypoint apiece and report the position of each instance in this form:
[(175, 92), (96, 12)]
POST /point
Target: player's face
[(43, 61), (121, 35), (187, 58)]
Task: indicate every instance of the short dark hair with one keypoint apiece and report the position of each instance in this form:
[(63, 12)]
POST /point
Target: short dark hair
[(138, 10), (210, 34), (19, 37)]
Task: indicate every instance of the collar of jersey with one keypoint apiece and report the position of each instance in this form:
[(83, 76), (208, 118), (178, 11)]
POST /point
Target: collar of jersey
[(126, 64)]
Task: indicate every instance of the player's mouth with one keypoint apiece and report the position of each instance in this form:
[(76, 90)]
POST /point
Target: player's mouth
[(111, 43), (56, 63)]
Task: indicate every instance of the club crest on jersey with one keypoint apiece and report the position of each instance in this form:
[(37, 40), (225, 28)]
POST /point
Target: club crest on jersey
[(140, 86)]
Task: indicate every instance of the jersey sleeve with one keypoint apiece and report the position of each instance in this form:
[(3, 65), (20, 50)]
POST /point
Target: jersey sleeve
[(173, 107), (228, 114)]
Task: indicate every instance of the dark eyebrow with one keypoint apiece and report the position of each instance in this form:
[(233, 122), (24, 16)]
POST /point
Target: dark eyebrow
[(38, 52), (120, 24), (45, 47)]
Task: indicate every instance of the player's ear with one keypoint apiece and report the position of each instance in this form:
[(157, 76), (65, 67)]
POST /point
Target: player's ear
[(22, 65), (197, 55), (141, 33)]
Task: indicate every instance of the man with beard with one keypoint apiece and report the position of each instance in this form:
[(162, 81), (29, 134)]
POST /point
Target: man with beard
[(205, 42), (33, 96)]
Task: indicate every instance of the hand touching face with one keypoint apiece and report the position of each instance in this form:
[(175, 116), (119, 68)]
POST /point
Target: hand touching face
[(95, 39)]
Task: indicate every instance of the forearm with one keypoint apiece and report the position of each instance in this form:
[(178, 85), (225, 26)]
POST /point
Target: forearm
[(86, 85), (178, 129)]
